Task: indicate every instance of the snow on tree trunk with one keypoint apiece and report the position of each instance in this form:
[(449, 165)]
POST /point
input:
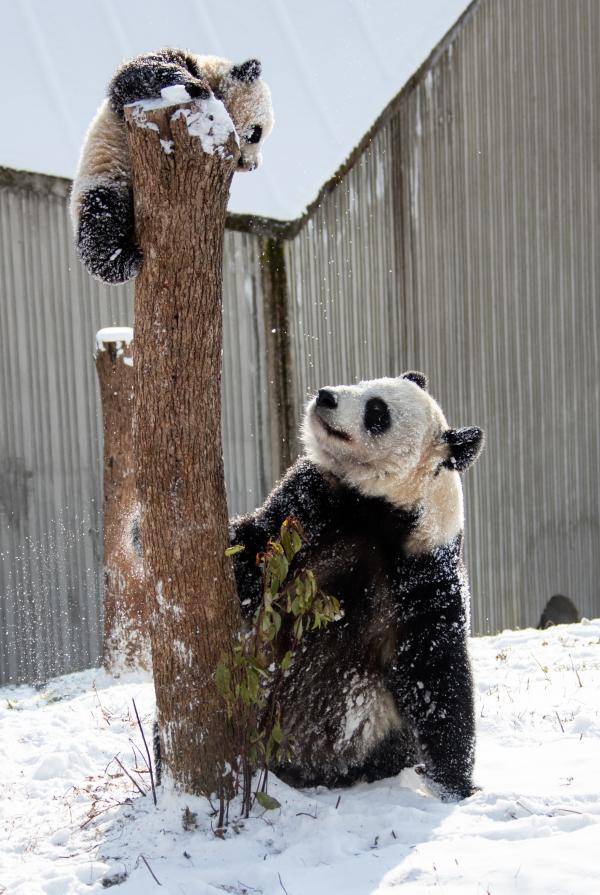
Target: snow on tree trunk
[(126, 632), (183, 161)]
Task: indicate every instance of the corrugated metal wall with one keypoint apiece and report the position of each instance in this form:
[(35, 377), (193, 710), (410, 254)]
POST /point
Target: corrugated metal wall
[(50, 428), (465, 243)]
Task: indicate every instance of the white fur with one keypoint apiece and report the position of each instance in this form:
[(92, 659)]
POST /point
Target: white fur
[(370, 714), (104, 158), (402, 464), (248, 104)]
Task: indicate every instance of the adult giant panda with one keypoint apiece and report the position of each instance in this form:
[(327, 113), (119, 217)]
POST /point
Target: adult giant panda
[(379, 495), (102, 200)]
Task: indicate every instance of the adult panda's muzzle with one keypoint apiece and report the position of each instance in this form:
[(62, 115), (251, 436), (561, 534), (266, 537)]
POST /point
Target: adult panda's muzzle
[(326, 398), (326, 402)]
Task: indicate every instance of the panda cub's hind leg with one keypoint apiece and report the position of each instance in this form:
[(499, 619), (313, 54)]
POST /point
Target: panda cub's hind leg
[(105, 233)]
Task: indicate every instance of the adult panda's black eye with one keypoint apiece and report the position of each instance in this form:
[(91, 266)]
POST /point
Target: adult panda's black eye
[(254, 134), (377, 416)]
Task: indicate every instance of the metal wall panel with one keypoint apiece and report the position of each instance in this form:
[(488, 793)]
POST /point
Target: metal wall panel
[(49, 441), (465, 244), (50, 429), (343, 280)]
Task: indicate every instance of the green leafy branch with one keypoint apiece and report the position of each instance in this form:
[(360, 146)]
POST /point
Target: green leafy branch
[(250, 680)]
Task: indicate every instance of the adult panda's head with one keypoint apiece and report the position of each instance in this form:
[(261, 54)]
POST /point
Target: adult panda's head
[(389, 438), (247, 98)]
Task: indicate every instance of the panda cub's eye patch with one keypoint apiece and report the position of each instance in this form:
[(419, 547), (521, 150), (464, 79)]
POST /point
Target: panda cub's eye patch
[(377, 416), (254, 134)]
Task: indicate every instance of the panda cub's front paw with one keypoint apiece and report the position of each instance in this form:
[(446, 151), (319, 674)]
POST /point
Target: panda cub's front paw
[(198, 89), (146, 76)]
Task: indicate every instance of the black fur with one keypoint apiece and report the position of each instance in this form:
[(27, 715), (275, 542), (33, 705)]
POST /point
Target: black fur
[(404, 629), (559, 610), (255, 134), (465, 446), (377, 416), (247, 72), (105, 235), (419, 379), (146, 75)]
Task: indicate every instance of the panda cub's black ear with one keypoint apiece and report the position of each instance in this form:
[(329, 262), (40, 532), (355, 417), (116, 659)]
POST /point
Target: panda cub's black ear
[(247, 72), (465, 446), (419, 379)]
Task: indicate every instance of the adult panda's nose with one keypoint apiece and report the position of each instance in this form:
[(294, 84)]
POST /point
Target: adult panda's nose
[(325, 398)]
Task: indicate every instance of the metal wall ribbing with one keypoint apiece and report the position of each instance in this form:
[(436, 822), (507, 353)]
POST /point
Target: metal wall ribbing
[(465, 243), (462, 241), (50, 428)]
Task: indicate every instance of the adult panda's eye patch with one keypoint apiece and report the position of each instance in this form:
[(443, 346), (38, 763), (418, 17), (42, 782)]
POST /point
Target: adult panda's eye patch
[(377, 416), (254, 134)]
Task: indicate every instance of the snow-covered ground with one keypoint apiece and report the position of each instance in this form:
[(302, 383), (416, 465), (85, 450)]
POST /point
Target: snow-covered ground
[(70, 818)]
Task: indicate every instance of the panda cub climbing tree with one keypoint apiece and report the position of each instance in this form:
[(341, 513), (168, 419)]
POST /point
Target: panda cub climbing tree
[(102, 198), (379, 495)]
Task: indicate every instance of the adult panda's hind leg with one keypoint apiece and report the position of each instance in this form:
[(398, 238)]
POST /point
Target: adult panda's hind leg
[(105, 233), (392, 754)]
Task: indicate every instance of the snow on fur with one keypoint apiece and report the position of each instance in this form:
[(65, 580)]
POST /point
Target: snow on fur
[(71, 818), (208, 119)]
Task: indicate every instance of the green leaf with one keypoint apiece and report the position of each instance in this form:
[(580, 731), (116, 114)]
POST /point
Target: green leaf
[(253, 684), (277, 732), (267, 802), (286, 542), (286, 661), (298, 628), (237, 548)]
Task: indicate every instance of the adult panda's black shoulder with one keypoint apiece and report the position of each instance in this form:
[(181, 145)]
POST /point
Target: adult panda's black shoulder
[(101, 199), (379, 496)]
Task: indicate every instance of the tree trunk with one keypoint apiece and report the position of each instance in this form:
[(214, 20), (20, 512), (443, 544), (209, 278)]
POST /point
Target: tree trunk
[(126, 632), (180, 195)]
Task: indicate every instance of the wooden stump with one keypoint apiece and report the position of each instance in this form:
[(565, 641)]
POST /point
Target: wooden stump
[(126, 625), (181, 190)]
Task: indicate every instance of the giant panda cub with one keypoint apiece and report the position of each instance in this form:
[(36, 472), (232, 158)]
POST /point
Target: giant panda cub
[(379, 495), (102, 199)]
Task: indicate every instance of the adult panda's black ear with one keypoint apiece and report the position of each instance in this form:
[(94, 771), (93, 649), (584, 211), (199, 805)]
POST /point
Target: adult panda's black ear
[(465, 446), (247, 72), (419, 379)]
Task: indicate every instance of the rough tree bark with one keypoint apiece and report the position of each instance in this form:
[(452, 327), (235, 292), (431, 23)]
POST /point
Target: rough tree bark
[(126, 633), (180, 196)]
